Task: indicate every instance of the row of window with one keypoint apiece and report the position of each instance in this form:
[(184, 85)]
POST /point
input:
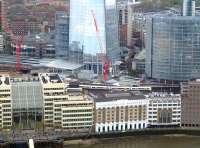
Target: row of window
[(78, 124), (74, 105), (78, 110), (54, 88), (124, 107), (77, 115), (77, 119)]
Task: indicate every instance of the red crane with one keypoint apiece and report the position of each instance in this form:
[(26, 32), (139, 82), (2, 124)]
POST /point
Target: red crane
[(104, 58), (19, 43), (18, 40)]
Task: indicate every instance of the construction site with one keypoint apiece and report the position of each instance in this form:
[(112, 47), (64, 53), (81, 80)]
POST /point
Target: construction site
[(31, 40)]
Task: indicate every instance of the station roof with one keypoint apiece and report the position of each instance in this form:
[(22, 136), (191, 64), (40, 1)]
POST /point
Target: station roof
[(36, 62)]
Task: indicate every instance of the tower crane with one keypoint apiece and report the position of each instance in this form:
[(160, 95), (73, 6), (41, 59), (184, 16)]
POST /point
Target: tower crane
[(104, 57), (18, 40)]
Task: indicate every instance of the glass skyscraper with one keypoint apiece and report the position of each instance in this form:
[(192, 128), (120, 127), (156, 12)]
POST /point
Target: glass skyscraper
[(173, 48), (62, 34), (188, 8), (83, 37), (112, 31)]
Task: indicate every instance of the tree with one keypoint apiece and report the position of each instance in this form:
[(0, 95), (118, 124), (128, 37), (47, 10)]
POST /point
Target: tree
[(134, 73)]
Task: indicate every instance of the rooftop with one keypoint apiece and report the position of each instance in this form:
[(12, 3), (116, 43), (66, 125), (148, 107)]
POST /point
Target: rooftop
[(4, 80), (50, 78), (164, 95), (103, 96), (45, 62)]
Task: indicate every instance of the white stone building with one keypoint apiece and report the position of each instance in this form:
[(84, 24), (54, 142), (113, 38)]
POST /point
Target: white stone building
[(164, 110)]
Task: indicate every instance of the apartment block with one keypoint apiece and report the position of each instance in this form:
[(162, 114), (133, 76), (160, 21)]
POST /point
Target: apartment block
[(164, 110), (5, 102), (120, 111)]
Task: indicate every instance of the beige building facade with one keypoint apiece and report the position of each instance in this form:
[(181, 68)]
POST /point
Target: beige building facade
[(5, 102), (64, 107), (120, 112)]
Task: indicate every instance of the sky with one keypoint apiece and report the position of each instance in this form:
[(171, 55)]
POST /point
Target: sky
[(110, 2), (82, 26)]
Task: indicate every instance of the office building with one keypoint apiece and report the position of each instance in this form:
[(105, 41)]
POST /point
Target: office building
[(190, 92), (188, 8), (65, 108), (119, 111), (5, 102), (76, 113), (122, 9), (53, 89), (172, 47), (93, 33), (112, 31), (62, 34), (83, 32), (126, 21), (164, 110), (27, 103)]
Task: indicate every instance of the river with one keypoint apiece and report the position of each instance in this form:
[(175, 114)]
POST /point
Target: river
[(146, 142)]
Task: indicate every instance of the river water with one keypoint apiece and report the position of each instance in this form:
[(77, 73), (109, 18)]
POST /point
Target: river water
[(146, 142)]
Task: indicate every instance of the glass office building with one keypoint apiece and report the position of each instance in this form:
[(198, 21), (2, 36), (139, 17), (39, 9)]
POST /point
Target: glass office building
[(188, 8), (112, 31), (173, 48), (83, 38), (62, 34)]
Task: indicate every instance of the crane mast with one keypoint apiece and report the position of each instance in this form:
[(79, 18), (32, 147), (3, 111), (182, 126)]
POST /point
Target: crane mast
[(104, 58)]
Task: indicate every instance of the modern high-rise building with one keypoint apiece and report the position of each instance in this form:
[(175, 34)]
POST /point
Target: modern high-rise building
[(172, 47), (83, 34), (112, 30), (188, 8), (62, 34), (93, 31)]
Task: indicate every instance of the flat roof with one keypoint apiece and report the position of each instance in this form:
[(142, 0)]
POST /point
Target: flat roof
[(103, 96), (50, 78), (60, 64), (4, 80)]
